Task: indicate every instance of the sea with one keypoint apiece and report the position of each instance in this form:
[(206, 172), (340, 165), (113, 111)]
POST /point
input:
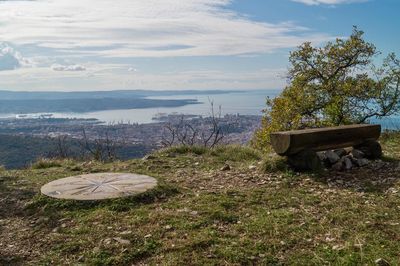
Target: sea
[(250, 102)]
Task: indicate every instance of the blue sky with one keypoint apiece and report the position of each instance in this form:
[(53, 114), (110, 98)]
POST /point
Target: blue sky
[(75, 45)]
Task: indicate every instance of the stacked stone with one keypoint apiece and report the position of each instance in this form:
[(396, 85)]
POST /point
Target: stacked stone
[(346, 159)]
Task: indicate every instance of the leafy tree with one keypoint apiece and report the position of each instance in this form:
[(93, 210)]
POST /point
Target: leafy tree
[(333, 85)]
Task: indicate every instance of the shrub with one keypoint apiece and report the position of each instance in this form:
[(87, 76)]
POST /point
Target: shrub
[(46, 163)]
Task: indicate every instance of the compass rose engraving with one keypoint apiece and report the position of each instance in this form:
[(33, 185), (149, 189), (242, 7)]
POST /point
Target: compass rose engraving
[(99, 186)]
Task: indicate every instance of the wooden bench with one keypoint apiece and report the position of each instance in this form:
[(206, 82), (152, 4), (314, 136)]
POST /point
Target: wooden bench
[(301, 145)]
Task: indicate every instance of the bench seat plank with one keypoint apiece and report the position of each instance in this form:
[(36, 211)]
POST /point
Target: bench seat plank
[(319, 139)]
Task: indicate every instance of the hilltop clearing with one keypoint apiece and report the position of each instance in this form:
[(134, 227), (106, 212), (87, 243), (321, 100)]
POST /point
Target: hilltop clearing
[(227, 206)]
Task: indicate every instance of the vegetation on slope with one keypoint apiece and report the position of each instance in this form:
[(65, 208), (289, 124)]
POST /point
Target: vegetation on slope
[(201, 215), (21, 151), (337, 84)]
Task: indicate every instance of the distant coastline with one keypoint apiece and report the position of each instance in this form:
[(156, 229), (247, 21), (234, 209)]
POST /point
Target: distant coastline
[(109, 107), (84, 102), (134, 106), (85, 105)]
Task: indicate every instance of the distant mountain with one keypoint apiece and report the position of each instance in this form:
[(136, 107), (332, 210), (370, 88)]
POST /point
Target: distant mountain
[(121, 94), (83, 105), (12, 102)]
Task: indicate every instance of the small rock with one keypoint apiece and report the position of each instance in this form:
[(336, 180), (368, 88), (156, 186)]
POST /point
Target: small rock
[(362, 162), (168, 227), (339, 182), (382, 262), (42, 220), (347, 163), (126, 233), (338, 166), (147, 236), (337, 247), (226, 167), (358, 154), (322, 155), (107, 241), (252, 167), (379, 164), (122, 241), (332, 157), (341, 152), (371, 148), (305, 160), (149, 157)]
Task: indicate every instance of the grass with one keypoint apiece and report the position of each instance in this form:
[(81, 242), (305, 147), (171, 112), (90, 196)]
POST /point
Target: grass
[(200, 215), (233, 153), (273, 164), (44, 163)]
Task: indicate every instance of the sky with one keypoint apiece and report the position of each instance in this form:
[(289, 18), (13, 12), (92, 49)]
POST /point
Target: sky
[(75, 45)]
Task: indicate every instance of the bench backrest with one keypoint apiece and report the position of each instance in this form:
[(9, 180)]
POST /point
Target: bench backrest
[(319, 139)]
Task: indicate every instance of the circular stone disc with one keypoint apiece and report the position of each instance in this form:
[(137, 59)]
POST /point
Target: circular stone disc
[(99, 186)]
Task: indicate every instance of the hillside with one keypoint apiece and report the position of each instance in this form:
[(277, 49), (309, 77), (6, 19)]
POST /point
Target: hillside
[(18, 151), (257, 212)]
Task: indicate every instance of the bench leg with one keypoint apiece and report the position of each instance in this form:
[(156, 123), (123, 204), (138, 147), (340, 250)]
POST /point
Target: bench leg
[(305, 160), (371, 148)]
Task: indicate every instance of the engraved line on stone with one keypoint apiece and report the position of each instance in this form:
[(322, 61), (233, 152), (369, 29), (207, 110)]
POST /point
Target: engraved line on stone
[(71, 183), (117, 189), (94, 190), (92, 181), (112, 180), (81, 191), (73, 189)]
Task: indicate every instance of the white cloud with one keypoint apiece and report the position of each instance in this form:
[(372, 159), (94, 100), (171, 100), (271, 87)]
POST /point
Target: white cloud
[(111, 77), (58, 67), (328, 2), (11, 59), (150, 28)]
